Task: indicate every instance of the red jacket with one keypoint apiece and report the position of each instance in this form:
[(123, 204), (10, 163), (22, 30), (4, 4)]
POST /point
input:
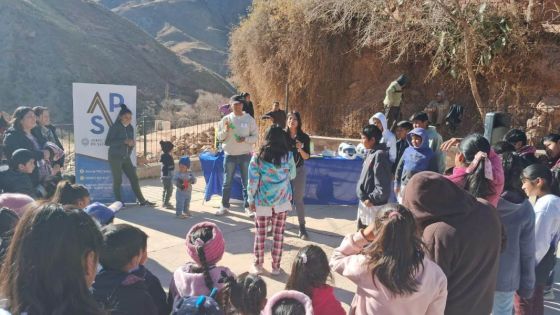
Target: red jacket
[(324, 302)]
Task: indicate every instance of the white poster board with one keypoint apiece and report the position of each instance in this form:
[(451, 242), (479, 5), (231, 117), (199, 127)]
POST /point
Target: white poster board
[(96, 107)]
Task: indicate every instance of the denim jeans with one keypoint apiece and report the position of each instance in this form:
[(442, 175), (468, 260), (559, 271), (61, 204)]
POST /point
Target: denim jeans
[(503, 303), (183, 201), (230, 164)]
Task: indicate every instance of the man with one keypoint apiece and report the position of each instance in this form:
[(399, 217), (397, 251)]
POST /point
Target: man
[(238, 133), (462, 235), (277, 115), (437, 109), (393, 98), (518, 139), (421, 120), (248, 105)]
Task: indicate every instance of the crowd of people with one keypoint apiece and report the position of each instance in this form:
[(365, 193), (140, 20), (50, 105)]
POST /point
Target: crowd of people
[(479, 237)]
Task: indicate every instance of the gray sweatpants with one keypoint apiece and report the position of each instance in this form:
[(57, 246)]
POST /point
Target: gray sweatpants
[(298, 190)]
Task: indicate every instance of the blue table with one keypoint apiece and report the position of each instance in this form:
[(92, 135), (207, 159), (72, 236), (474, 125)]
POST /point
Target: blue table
[(330, 181)]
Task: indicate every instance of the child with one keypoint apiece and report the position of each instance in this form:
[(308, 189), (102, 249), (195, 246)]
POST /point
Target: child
[(152, 282), (289, 302), (537, 180), (115, 286), (388, 138), (417, 157), (421, 120), (205, 246), (51, 263), (18, 178), (68, 194), (374, 185), (478, 169), (270, 194), (184, 179), (386, 261), (246, 294), (310, 272), (167, 168), (403, 128)]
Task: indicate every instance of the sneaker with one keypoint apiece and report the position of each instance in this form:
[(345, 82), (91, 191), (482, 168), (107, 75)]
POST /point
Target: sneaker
[(181, 216), (222, 211), (275, 271), (249, 213), (256, 270), (146, 203), (549, 295), (187, 214), (169, 207)]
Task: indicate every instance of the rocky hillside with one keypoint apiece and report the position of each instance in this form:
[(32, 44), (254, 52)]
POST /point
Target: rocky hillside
[(196, 30), (46, 45)]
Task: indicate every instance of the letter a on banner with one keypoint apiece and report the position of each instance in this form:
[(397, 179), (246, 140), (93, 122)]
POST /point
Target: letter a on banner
[(92, 120)]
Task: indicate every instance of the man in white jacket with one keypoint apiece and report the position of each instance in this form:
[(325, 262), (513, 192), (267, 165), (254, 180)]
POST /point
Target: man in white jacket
[(238, 133)]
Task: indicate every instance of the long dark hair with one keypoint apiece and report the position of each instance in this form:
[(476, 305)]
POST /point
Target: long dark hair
[(396, 254), (534, 171), (247, 294), (477, 183), (297, 116), (44, 269), (310, 269), (288, 306), (18, 115), (69, 194), (275, 147), (513, 168), (204, 234)]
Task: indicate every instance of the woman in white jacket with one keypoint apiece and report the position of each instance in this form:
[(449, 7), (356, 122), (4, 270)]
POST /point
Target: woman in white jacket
[(537, 180)]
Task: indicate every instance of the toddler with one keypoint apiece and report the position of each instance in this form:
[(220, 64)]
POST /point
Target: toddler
[(167, 168), (184, 179)]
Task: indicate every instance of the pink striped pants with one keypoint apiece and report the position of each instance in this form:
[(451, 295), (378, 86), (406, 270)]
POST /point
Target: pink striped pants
[(278, 225)]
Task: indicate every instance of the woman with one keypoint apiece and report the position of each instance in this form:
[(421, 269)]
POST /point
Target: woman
[(478, 169), (120, 140), (19, 136), (51, 263), (45, 130), (386, 260), (300, 144), (269, 194), (536, 180)]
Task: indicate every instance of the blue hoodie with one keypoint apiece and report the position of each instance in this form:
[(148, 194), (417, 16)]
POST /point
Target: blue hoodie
[(415, 160)]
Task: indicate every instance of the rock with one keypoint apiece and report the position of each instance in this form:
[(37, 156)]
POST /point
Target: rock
[(545, 120)]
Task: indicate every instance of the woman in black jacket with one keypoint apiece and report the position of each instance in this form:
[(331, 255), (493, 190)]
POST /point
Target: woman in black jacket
[(44, 129), (120, 140), (19, 136)]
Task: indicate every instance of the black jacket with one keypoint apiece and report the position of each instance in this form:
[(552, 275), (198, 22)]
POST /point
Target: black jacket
[(167, 164), (37, 133), (116, 136), (16, 139), (401, 146), (123, 293), (375, 180), (248, 108), (155, 290), (17, 182)]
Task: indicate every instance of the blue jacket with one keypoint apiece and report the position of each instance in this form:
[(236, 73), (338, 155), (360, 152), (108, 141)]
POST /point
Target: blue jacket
[(517, 261), (415, 160)]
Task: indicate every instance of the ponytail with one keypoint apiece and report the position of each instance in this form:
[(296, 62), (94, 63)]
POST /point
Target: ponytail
[(473, 148), (124, 110), (68, 194)]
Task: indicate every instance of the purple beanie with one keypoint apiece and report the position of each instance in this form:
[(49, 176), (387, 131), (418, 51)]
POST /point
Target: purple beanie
[(16, 202), (213, 249)]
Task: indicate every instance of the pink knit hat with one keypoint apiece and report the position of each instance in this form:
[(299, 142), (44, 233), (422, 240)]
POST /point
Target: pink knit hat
[(213, 249), (289, 294), (16, 202)]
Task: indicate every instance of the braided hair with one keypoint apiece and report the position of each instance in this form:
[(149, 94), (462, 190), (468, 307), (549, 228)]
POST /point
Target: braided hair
[(204, 234), (246, 294)]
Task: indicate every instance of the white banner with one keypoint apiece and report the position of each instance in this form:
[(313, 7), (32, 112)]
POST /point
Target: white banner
[(96, 107)]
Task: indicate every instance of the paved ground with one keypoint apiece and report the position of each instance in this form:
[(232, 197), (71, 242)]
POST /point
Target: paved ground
[(327, 225)]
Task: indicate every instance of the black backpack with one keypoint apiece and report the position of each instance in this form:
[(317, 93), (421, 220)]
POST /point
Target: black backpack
[(454, 117)]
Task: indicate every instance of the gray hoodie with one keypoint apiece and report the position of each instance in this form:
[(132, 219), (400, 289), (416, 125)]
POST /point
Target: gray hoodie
[(375, 180), (517, 261)]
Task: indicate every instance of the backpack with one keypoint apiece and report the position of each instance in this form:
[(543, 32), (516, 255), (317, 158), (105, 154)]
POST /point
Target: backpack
[(454, 117), (197, 305)]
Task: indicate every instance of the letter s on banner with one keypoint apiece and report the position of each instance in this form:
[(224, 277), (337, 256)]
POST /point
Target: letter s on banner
[(96, 121)]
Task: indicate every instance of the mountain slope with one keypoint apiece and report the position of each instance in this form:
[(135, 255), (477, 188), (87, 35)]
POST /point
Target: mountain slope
[(46, 45), (195, 29)]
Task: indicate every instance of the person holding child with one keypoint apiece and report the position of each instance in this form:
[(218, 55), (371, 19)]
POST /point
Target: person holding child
[(387, 262), (205, 246), (374, 186), (184, 179), (310, 273), (270, 195)]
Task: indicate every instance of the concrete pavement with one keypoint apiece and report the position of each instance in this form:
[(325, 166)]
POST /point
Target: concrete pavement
[(327, 226)]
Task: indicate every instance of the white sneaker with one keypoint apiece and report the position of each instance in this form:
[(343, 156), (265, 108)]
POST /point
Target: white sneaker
[(276, 272), (256, 270), (222, 211), (249, 213), (549, 295)]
